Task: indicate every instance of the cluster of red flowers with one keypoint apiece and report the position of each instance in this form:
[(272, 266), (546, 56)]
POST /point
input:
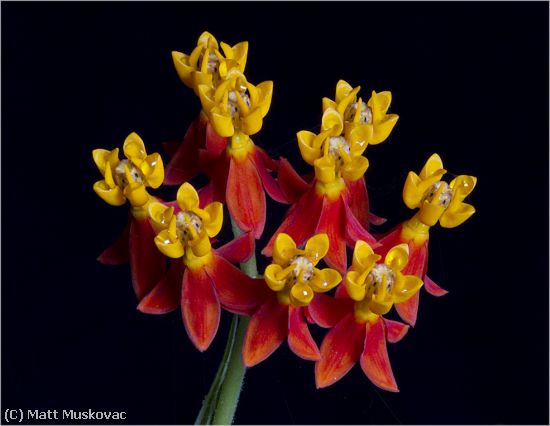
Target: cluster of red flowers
[(329, 211)]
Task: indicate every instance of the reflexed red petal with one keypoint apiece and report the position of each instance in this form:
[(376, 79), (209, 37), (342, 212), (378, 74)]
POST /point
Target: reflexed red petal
[(292, 185), (217, 170), (184, 164), (215, 143), (166, 295), (245, 196), (376, 220), (300, 221), (200, 308), (266, 331), (395, 330), (433, 288), (118, 252), (239, 249), (408, 310), (270, 184), (328, 311), (237, 292), (418, 260), (340, 350), (300, 340), (148, 264), (309, 319), (357, 199), (333, 223), (374, 359), (270, 163), (341, 292), (355, 231)]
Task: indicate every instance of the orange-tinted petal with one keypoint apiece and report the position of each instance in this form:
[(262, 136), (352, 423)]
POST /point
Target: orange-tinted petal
[(395, 330), (327, 311), (408, 310), (376, 220), (355, 231), (271, 185), (374, 359), (184, 164), (237, 292), (390, 240), (166, 295), (332, 222), (148, 264), (433, 288), (245, 196), (200, 308), (300, 221), (300, 340), (292, 185), (266, 331), (118, 252), (239, 249), (357, 199), (340, 350)]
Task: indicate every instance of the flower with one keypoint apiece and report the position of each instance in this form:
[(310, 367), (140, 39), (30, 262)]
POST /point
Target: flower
[(371, 118), (205, 63), (336, 201), (127, 180), (295, 280), (204, 278), (437, 201), (359, 331)]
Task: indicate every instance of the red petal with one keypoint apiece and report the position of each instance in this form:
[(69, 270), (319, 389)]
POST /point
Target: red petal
[(374, 359), (270, 163), (237, 292), (290, 182), (118, 252), (184, 164), (358, 200), (340, 350), (376, 220), (217, 170), (395, 330), (328, 311), (245, 196), (215, 144), (300, 221), (341, 292), (266, 331), (166, 295), (332, 222), (300, 340), (200, 308), (355, 231), (238, 250), (148, 264), (433, 288), (408, 310), (270, 184)]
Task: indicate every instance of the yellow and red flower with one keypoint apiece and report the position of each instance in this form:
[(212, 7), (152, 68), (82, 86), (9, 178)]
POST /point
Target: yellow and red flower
[(336, 201), (295, 281), (437, 201), (200, 278), (128, 180), (359, 330)]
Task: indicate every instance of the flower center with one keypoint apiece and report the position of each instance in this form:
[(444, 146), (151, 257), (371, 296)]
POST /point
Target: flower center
[(213, 63), (364, 117), (336, 144), (120, 174), (445, 196), (188, 225), (375, 279), (232, 100), (303, 268)]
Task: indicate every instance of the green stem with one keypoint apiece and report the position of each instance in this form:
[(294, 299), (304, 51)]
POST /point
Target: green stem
[(220, 403)]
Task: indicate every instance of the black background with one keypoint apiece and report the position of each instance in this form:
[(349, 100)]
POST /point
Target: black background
[(469, 81)]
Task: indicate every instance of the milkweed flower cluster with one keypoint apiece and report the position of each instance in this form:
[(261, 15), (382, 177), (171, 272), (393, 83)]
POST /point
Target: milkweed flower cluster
[(176, 261)]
